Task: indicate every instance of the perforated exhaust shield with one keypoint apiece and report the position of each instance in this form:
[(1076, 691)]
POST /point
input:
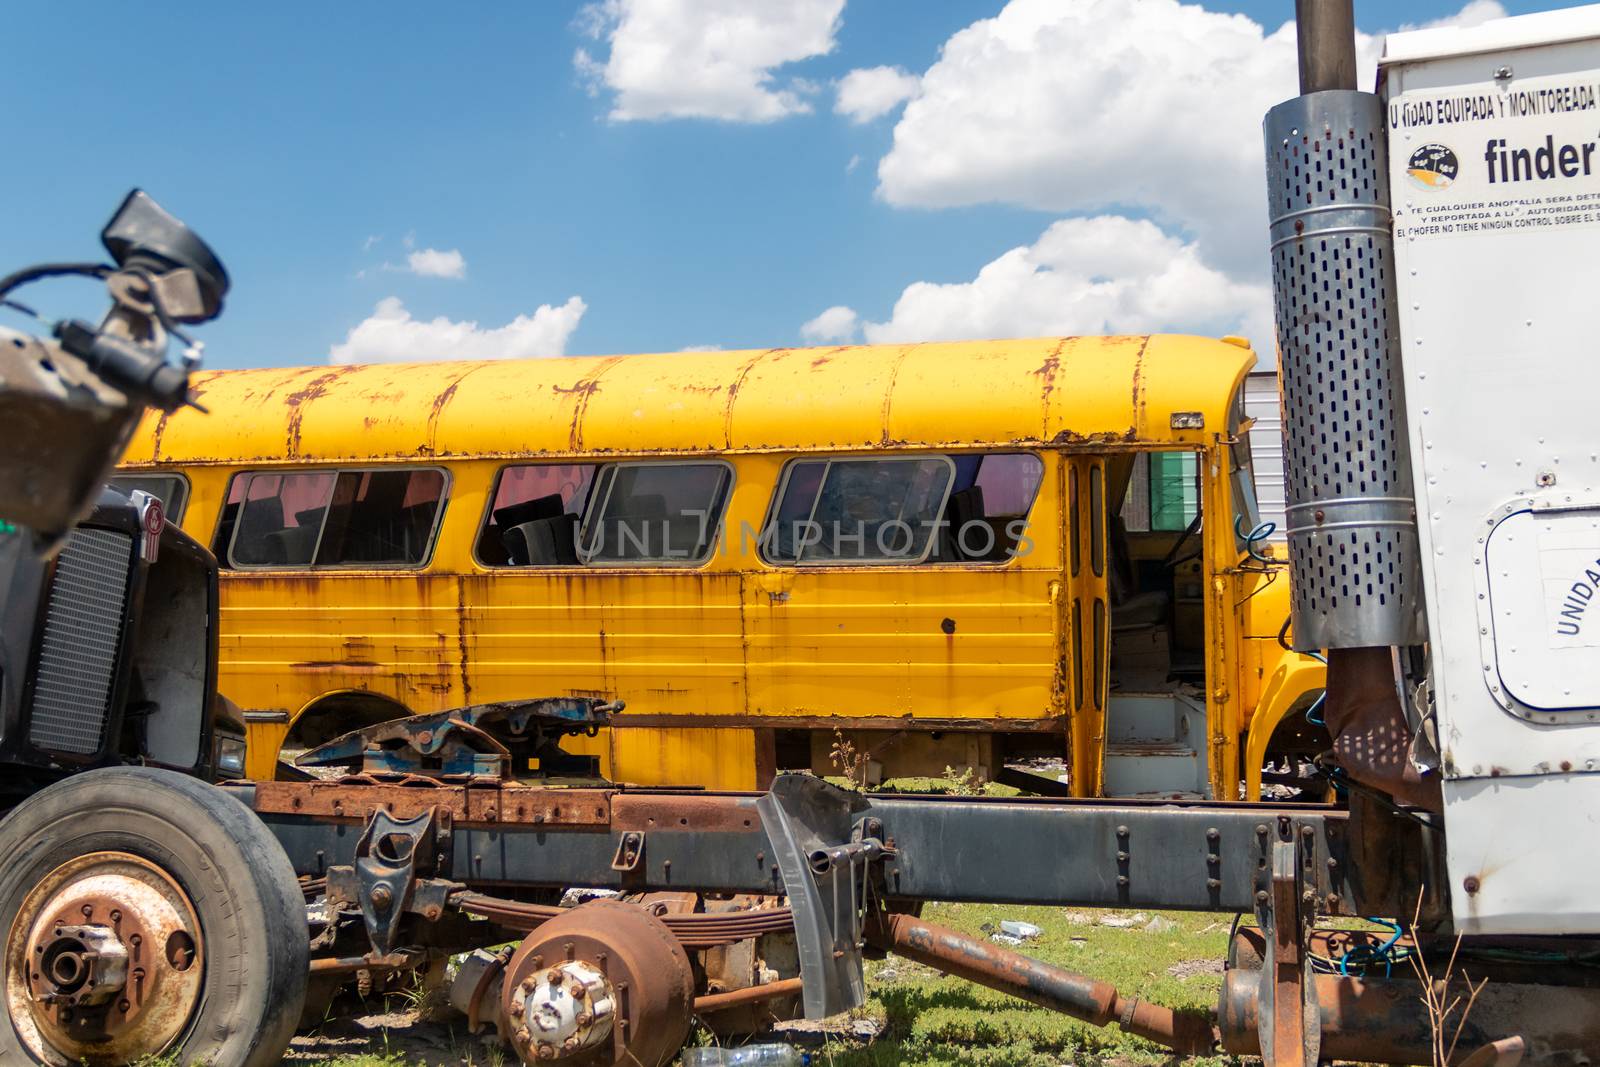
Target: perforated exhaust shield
[(1354, 580)]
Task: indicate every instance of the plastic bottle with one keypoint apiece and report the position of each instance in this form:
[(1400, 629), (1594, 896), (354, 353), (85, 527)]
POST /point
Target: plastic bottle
[(770, 1055)]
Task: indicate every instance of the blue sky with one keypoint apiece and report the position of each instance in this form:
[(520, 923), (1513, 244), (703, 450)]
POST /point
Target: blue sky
[(314, 145)]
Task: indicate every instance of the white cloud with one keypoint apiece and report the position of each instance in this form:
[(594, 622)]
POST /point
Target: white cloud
[(837, 324), (872, 92), (711, 59), (1098, 275), (391, 335), (1475, 13), (1095, 105), (432, 263)]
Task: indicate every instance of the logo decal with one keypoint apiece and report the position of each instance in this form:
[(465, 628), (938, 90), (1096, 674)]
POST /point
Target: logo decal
[(1433, 166)]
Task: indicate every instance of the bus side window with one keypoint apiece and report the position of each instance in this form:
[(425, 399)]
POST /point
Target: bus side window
[(330, 518), (655, 513), (381, 517), (278, 518), (533, 520), (859, 510)]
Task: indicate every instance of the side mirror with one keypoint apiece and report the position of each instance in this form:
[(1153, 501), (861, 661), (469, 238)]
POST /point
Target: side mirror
[(141, 234)]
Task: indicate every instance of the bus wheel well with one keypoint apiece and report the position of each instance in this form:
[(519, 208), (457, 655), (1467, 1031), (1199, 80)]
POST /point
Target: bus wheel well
[(1297, 734), (339, 713)]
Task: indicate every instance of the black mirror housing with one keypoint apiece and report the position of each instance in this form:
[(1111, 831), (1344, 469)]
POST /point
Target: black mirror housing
[(142, 234)]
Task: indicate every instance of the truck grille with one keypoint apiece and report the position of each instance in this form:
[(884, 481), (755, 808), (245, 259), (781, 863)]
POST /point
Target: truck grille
[(82, 635)]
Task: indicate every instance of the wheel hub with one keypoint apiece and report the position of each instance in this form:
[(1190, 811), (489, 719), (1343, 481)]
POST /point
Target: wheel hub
[(104, 961), (568, 1009), (79, 965)]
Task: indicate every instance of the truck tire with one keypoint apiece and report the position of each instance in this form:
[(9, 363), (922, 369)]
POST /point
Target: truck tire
[(147, 913)]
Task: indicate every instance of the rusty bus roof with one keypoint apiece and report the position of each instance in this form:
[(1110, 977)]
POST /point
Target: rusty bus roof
[(1042, 391)]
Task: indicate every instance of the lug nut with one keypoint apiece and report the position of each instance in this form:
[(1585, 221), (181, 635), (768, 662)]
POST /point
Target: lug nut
[(584, 1018), (546, 1051), (554, 977), (575, 990)]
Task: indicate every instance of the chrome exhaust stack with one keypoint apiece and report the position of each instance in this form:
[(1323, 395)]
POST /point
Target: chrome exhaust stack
[(1355, 569)]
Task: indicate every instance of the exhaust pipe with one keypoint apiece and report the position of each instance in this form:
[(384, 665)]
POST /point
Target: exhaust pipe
[(1355, 566)]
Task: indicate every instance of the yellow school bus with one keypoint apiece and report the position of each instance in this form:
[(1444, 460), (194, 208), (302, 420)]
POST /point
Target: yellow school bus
[(957, 555)]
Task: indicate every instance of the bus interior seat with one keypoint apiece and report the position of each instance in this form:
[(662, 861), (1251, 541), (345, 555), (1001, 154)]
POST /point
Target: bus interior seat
[(543, 542), (258, 521), (540, 507), (295, 544), (520, 535)]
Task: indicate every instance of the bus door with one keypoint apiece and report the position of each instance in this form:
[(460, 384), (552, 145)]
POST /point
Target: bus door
[(1087, 623)]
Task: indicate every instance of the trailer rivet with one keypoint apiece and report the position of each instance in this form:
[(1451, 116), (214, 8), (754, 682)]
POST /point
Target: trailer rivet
[(1261, 896), (1122, 857), (1122, 879), (1122, 831), (1471, 884), (1213, 834), (1213, 883), (1261, 829), (1333, 901)]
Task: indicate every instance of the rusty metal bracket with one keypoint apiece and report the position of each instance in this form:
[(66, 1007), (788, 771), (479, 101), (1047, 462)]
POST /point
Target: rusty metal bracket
[(1290, 1031), (630, 852), (383, 881)]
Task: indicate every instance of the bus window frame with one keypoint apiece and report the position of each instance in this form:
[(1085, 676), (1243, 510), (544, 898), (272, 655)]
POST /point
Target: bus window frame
[(175, 517), (281, 568), (922, 560), (594, 506)]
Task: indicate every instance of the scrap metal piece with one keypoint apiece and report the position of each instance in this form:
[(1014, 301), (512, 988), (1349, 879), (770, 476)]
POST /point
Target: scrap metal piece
[(483, 740)]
